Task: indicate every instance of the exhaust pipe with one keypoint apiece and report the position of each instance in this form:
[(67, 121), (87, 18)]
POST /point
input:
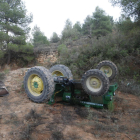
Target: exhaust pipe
[(3, 90)]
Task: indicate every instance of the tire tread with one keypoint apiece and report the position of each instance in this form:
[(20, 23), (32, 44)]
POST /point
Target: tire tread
[(49, 79), (102, 76), (112, 65)]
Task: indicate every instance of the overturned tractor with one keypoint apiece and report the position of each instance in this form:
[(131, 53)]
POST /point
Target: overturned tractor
[(57, 85)]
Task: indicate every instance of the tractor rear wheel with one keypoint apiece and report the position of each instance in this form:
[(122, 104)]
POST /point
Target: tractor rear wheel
[(109, 68), (61, 70), (38, 84), (95, 82)]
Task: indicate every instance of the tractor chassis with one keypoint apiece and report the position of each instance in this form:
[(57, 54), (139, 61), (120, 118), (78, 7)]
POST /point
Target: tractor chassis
[(71, 91)]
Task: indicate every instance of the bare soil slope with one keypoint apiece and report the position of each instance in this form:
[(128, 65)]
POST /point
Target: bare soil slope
[(22, 119)]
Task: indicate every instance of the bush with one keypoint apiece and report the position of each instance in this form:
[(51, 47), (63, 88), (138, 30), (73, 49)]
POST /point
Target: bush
[(21, 55), (62, 49), (55, 38), (115, 47)]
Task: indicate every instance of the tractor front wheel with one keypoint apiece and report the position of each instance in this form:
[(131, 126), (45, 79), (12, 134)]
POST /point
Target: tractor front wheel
[(95, 82), (109, 68)]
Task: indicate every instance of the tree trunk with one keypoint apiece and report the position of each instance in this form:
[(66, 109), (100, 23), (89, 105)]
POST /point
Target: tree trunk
[(9, 57)]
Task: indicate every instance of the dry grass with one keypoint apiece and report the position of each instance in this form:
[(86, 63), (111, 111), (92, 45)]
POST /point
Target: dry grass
[(33, 120), (57, 135)]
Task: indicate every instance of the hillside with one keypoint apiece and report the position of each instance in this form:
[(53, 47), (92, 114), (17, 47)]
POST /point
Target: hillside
[(22, 119), (81, 48)]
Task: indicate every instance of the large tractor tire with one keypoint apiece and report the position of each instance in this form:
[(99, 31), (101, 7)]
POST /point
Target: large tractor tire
[(39, 84), (109, 68), (61, 70), (95, 82)]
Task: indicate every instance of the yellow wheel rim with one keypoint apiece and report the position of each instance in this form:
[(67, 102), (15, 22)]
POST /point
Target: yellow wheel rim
[(94, 84), (57, 73), (107, 70), (35, 85)]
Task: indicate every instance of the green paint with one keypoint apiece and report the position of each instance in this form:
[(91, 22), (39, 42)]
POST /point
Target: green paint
[(96, 102), (35, 84)]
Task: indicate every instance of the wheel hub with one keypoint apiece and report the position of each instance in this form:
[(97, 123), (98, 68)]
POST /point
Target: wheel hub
[(95, 83), (107, 70), (37, 84)]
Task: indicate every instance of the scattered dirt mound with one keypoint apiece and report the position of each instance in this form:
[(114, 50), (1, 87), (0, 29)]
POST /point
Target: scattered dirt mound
[(22, 119)]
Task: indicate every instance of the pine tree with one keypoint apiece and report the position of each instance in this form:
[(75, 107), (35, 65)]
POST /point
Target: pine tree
[(77, 26), (131, 8), (38, 37), (69, 33), (14, 23), (55, 38), (101, 24), (86, 28)]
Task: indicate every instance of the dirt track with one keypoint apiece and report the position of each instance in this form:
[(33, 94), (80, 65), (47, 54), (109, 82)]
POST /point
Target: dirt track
[(21, 119)]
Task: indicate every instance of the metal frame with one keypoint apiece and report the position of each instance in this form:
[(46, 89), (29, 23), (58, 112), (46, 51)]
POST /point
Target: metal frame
[(70, 90)]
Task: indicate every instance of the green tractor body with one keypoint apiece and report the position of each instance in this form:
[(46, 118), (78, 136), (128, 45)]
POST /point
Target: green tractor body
[(72, 92)]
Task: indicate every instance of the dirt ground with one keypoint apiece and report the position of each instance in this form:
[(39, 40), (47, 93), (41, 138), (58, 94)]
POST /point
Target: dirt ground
[(22, 119)]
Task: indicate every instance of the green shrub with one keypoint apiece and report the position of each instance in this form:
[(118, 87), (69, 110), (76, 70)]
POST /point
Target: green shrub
[(22, 55), (114, 47), (62, 49), (2, 54)]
